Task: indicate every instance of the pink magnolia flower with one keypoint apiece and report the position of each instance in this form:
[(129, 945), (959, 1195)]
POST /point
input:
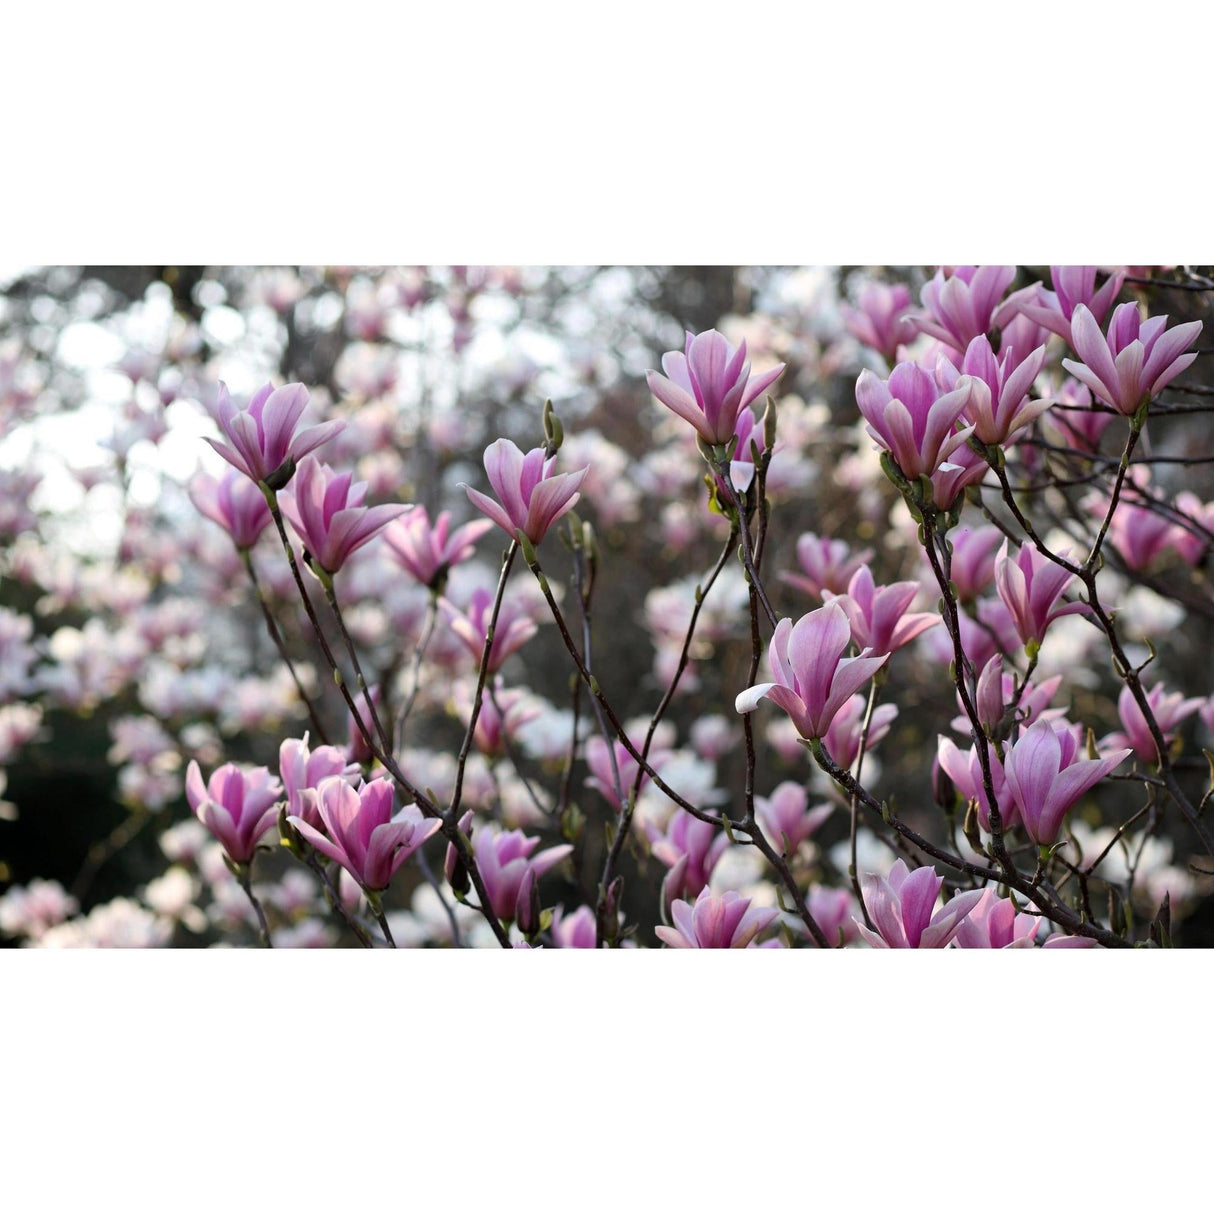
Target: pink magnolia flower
[(302, 768), (264, 445), (504, 859), (495, 728), (1073, 285), (530, 497), (425, 551), (716, 921), (826, 564), (747, 433), (1135, 362), (1030, 586), (1140, 535), (973, 564), (833, 911), (690, 849), (235, 503), (964, 467), (1046, 776), (1192, 544), (881, 322), (880, 622), (574, 931), (964, 769), (1168, 709), (602, 777), (901, 906), (995, 923), (909, 416), (998, 404), (236, 805), (842, 739), (995, 690), (326, 510), (360, 831), (1077, 422), (962, 305), (785, 817), (514, 629), (708, 383), (812, 678)]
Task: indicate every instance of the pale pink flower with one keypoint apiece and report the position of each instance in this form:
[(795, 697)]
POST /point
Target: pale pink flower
[(690, 849), (995, 923), (708, 383), (264, 444), (881, 321), (425, 551), (236, 805), (878, 616), (902, 908), (530, 497), (1073, 285), (514, 628), (504, 859), (1030, 586), (716, 921), (1168, 709), (785, 817), (962, 305), (812, 678), (826, 564), (998, 403), (301, 768), (842, 739), (973, 563), (235, 503)]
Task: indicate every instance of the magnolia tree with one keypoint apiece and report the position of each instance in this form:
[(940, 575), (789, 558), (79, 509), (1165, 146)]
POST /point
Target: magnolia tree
[(440, 607)]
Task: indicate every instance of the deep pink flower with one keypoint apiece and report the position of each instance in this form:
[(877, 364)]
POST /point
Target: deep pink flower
[(826, 564), (812, 678), (878, 615), (833, 911), (785, 816), (881, 321), (514, 628), (360, 831), (708, 383), (1073, 285), (1135, 362), (425, 551), (504, 858), (302, 768), (716, 921), (964, 467), (326, 510), (962, 305), (995, 691), (1073, 416), (909, 416), (1168, 709), (1140, 536), (530, 497), (264, 445), (235, 503), (236, 805), (995, 923), (901, 907), (1046, 776), (1030, 586), (998, 404)]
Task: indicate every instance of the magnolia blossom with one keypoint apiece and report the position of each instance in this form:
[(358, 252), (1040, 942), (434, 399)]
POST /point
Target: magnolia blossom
[(709, 383), (882, 320), (1135, 362), (360, 831), (504, 859), (842, 739), (880, 622), (503, 713), (235, 503), (812, 678), (1073, 286), (995, 923), (901, 907), (1046, 776), (603, 774), (716, 921), (833, 910), (326, 510), (236, 805), (964, 769), (962, 305), (1168, 709), (424, 550), (973, 564), (785, 817), (998, 403), (690, 849), (995, 691), (264, 445), (910, 417), (302, 768), (1030, 586), (574, 931), (513, 630), (530, 497), (1192, 542), (826, 565)]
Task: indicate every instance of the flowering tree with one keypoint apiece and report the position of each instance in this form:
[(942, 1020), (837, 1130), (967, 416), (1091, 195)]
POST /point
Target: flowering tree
[(466, 606)]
